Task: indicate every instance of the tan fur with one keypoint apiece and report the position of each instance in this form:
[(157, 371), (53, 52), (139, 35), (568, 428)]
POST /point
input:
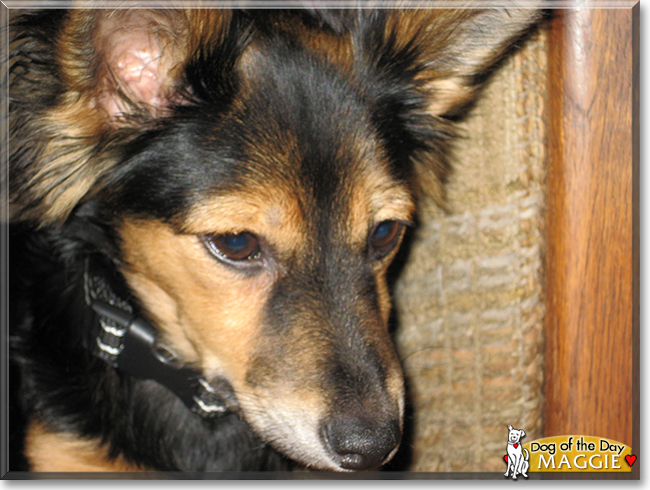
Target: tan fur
[(337, 50), (97, 109), (375, 195), (195, 299), (462, 42), (49, 451), (121, 70), (448, 93), (207, 310), (266, 211), (377, 198), (212, 315)]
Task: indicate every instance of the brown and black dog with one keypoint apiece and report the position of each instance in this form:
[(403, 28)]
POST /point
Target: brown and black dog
[(205, 204)]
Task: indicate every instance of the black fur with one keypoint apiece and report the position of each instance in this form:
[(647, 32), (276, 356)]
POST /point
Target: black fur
[(159, 168), (162, 173), (69, 387)]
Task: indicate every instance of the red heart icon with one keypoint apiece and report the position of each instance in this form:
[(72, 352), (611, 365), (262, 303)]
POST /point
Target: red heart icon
[(505, 458), (631, 458), (516, 446)]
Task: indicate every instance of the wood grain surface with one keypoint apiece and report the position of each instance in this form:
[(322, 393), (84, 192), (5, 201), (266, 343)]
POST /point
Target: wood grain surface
[(593, 226)]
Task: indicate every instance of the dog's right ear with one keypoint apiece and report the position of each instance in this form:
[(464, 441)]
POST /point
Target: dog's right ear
[(130, 62), (85, 82), (510, 427)]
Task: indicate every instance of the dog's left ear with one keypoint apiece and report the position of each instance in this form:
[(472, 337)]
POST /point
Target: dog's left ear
[(453, 50), (443, 55)]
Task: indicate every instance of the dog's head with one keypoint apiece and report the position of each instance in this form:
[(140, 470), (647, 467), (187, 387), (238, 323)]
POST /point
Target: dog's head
[(259, 170), (515, 435)]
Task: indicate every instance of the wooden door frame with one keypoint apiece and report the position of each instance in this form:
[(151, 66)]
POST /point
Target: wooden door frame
[(592, 261)]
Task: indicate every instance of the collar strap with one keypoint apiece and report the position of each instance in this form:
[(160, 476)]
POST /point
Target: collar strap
[(129, 343)]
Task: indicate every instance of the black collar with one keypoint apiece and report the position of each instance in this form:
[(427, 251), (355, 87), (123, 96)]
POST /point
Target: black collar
[(126, 341)]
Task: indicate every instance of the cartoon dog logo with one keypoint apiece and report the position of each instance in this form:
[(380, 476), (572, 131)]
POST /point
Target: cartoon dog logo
[(515, 458)]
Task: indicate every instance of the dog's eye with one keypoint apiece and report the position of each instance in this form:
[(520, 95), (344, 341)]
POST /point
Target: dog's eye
[(234, 246), (384, 238)]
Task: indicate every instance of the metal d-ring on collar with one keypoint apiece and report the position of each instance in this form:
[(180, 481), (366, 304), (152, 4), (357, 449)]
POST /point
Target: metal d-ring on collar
[(130, 344)]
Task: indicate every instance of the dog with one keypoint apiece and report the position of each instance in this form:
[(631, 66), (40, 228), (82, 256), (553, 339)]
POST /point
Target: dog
[(517, 455), (204, 206)]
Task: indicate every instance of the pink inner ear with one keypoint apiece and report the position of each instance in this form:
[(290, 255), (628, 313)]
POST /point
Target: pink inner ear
[(140, 60), (138, 70)]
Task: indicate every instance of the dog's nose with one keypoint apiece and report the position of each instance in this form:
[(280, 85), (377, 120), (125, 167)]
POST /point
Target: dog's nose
[(360, 444)]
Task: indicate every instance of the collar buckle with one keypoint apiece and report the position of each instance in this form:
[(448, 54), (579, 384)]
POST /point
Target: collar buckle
[(130, 344)]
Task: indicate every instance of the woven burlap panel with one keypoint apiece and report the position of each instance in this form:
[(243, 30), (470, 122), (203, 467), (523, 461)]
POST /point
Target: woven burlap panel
[(469, 302)]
